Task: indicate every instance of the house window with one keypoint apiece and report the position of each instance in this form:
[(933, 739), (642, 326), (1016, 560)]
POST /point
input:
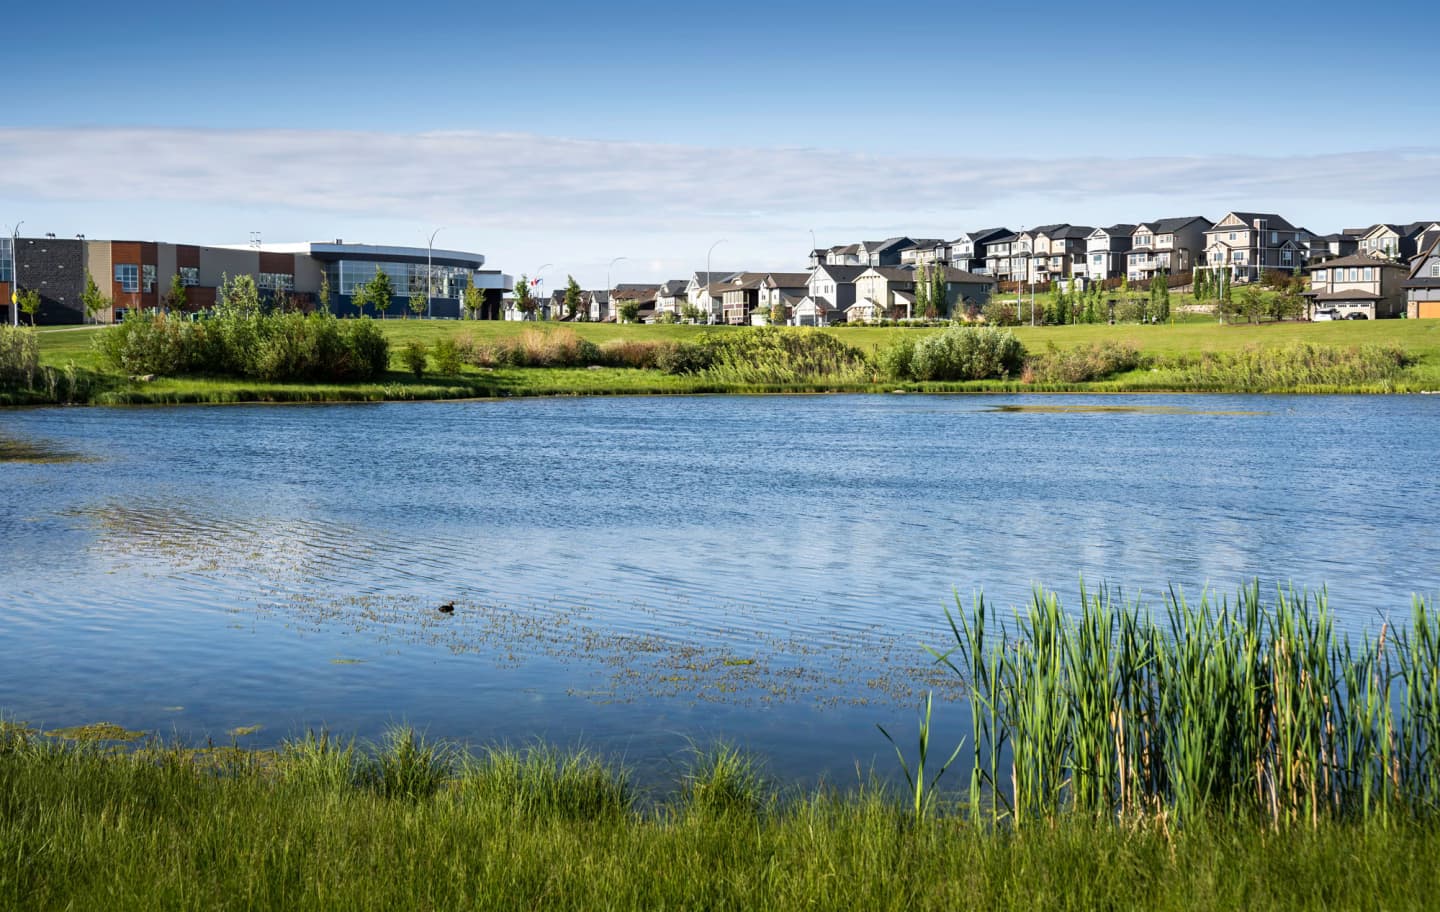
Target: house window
[(1285, 256), (189, 276), (1237, 256), (1369, 274), (1232, 235), (1274, 237), (1354, 274), (1166, 240), (1435, 271), (1319, 276), (127, 275), (149, 277)]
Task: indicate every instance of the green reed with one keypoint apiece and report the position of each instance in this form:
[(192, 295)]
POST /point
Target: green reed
[(1240, 707)]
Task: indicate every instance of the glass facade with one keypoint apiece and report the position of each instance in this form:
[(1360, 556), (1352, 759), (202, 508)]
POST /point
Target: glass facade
[(128, 276), (7, 260), (405, 278)]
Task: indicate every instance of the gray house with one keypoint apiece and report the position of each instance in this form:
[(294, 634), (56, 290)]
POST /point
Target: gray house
[(883, 253), (1105, 251), (828, 294), (1422, 286), (1168, 246), (969, 250), (1250, 244)]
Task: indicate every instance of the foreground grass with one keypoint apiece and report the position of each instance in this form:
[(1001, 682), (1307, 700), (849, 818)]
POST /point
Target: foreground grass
[(1420, 339), (82, 828)]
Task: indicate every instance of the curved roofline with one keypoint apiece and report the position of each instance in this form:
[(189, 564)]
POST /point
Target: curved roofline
[(385, 253)]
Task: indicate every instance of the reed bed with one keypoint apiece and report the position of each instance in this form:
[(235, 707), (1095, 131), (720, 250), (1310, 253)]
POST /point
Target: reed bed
[(1246, 708)]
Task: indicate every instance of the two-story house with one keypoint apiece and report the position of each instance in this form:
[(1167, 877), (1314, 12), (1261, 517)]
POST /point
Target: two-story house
[(829, 292), (1422, 286), (883, 293), (671, 298), (968, 251), (1168, 246), (1373, 286), (1250, 244), (641, 295), (1399, 242), (1003, 260), (926, 250), (1105, 250), (704, 293), (883, 253), (786, 289), (1330, 246), (1054, 251), (739, 296)]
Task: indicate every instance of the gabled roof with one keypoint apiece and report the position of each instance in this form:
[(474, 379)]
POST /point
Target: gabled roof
[(1273, 222), (740, 281), (981, 236), (892, 273), (673, 287), (787, 279), (1068, 232), (894, 243), (704, 278), (1114, 230), (840, 274), (1172, 225), (1417, 264)]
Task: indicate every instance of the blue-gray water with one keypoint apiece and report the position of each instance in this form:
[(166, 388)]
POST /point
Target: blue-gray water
[(635, 574)]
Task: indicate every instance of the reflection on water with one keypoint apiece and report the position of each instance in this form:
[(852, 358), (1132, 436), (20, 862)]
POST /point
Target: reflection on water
[(19, 449), (634, 573)]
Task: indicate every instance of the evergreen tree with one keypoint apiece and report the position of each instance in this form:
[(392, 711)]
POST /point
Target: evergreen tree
[(175, 298), (572, 296), (939, 291), (922, 290)]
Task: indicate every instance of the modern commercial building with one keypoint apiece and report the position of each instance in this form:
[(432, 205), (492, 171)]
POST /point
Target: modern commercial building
[(137, 275)]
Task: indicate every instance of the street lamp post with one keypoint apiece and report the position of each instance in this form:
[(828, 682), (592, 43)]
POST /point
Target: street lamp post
[(709, 279), (535, 279), (15, 273), (430, 270), (609, 294)]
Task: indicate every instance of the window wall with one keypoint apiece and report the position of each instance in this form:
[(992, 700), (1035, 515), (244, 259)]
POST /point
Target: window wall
[(7, 260), (405, 278)]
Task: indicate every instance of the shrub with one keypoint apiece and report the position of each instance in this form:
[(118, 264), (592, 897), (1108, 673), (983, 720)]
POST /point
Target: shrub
[(19, 357), (897, 359), (1083, 364), (413, 354), (1000, 314), (633, 353), (960, 353), (773, 354), (684, 358), (446, 354), (1290, 367)]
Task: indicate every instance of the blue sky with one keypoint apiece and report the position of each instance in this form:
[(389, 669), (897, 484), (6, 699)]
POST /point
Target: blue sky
[(573, 133)]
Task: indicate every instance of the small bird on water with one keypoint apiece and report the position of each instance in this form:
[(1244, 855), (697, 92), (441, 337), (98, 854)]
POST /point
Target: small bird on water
[(447, 608)]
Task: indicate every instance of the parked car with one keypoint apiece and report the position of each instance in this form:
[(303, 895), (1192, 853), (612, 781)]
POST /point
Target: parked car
[(1329, 313), (1357, 315)]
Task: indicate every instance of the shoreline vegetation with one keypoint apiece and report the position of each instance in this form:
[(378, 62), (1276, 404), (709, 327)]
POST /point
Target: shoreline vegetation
[(1215, 754), (154, 360)]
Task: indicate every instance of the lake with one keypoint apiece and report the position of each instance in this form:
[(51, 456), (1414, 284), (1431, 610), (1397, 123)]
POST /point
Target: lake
[(642, 574)]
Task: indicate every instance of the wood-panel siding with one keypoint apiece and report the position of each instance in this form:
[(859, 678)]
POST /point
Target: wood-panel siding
[(277, 262)]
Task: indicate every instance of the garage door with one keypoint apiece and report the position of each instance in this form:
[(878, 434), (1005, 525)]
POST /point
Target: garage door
[(1429, 309)]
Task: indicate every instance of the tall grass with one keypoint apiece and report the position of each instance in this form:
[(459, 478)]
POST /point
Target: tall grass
[(1295, 366), (1246, 708)]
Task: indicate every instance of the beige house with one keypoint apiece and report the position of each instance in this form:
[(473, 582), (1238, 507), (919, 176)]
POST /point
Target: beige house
[(1054, 251), (1250, 244), (704, 292), (885, 293), (1169, 246), (786, 289), (1422, 287), (1359, 284), (1399, 242), (671, 298)]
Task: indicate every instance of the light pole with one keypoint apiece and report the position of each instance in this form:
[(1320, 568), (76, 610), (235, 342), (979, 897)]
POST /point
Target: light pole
[(814, 248), (535, 279), (709, 279), (430, 270)]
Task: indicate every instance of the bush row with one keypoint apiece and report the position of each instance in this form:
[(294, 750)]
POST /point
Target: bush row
[(278, 346)]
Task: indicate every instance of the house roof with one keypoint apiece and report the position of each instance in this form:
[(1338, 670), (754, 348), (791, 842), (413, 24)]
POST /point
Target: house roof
[(1065, 232), (1273, 222), (787, 279), (894, 243), (1352, 295), (1419, 262), (981, 236), (1172, 225), (673, 287), (1114, 230), (840, 273), (1359, 259)]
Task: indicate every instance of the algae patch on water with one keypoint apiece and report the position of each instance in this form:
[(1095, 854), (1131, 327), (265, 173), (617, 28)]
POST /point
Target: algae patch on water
[(14, 449), (1118, 410), (243, 730), (96, 731)]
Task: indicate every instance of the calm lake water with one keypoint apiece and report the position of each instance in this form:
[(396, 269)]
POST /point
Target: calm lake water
[(639, 574)]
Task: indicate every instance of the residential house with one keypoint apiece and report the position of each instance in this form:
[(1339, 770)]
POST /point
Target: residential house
[(1399, 242), (1002, 259), (1422, 286), (1359, 283), (739, 296), (840, 255), (1330, 246), (1168, 246), (1250, 244), (968, 251), (830, 290), (883, 253), (671, 298), (787, 289), (1054, 251), (926, 250), (596, 305), (704, 294), (887, 293), (1105, 253), (641, 295)]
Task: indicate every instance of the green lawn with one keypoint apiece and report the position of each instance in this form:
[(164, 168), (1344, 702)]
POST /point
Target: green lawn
[(63, 345)]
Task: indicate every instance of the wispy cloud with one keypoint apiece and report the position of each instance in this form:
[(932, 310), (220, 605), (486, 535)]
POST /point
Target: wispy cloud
[(532, 182)]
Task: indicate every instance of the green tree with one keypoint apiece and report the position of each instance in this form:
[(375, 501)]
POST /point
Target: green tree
[(176, 298), (629, 311), (30, 303), (777, 314), (922, 290), (92, 299), (380, 293), (473, 299), (239, 295), (572, 296), (939, 292), (417, 303), (524, 300), (324, 295), (413, 355), (360, 297)]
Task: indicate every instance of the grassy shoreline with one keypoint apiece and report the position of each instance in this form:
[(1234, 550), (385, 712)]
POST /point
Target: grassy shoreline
[(72, 349)]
